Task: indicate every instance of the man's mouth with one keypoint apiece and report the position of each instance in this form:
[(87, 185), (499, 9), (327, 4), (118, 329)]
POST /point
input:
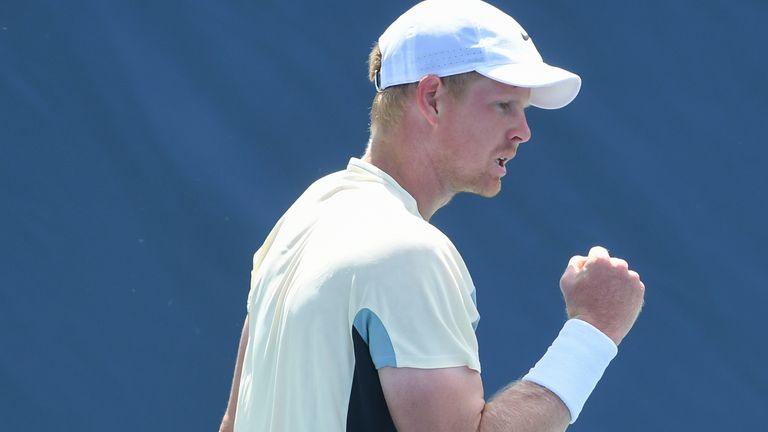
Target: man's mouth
[(502, 161)]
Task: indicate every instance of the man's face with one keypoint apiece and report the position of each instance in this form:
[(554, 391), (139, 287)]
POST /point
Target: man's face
[(479, 133)]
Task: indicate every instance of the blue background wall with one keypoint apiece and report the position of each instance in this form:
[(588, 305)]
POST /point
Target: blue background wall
[(147, 148)]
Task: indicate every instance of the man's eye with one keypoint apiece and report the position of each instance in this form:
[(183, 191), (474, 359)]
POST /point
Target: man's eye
[(506, 106)]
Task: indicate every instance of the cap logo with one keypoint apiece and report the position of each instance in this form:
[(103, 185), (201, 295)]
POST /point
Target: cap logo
[(525, 36)]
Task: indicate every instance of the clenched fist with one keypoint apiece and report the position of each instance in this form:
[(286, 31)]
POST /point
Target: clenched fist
[(602, 291)]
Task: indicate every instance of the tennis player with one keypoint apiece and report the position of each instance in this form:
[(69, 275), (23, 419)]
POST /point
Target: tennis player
[(361, 314)]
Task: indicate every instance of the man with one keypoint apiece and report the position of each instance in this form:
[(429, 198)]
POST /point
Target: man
[(361, 314)]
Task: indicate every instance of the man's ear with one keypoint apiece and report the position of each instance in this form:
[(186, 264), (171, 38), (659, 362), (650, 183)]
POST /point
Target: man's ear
[(427, 93)]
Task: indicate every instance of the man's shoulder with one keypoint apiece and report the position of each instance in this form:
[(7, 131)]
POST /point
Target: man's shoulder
[(346, 196), (409, 241), (361, 212)]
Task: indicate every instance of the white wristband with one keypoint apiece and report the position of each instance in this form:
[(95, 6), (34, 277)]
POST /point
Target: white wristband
[(574, 364)]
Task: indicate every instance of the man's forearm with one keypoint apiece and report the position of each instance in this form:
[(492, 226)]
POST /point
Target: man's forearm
[(525, 406), (228, 422)]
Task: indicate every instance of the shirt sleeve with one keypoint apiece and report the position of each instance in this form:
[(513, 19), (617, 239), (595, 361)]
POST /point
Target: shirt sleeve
[(415, 308), (258, 259)]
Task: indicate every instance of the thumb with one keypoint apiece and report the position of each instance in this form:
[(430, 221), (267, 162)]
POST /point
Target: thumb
[(599, 251)]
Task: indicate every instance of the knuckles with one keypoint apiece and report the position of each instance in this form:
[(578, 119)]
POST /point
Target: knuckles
[(619, 263), (604, 274)]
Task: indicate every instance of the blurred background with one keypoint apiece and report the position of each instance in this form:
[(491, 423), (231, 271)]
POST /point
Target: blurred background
[(147, 148)]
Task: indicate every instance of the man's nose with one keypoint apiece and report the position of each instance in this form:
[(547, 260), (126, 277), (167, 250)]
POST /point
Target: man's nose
[(520, 132)]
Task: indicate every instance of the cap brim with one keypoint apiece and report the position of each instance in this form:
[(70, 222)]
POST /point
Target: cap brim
[(551, 87)]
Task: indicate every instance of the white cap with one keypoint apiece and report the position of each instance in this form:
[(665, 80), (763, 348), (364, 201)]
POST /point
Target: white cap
[(449, 37)]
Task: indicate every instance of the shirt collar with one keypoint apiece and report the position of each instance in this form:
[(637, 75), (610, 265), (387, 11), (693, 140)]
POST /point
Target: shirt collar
[(361, 167)]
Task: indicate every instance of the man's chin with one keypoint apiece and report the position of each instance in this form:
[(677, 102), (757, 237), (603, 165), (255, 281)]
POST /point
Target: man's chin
[(489, 192), (492, 194), (486, 189)]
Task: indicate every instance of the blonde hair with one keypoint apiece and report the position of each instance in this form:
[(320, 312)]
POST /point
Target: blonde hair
[(389, 104)]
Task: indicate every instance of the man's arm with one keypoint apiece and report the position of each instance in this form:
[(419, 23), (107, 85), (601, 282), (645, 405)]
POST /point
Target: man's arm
[(598, 289), (451, 399), (228, 422)]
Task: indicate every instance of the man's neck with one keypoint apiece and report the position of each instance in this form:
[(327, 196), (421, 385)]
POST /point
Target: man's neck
[(408, 162)]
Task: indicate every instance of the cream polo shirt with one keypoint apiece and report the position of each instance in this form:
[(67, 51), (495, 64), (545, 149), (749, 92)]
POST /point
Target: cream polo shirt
[(351, 277)]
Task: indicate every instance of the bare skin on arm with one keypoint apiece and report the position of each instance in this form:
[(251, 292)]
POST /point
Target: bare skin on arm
[(228, 422), (598, 289)]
